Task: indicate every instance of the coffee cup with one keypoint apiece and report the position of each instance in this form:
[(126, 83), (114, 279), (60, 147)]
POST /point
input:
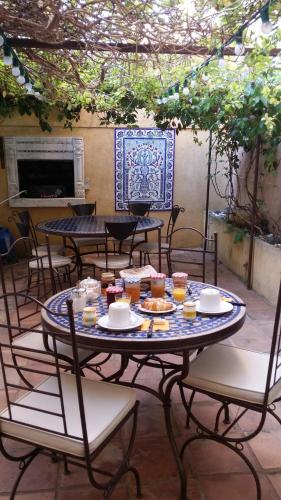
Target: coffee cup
[(210, 299), (119, 314)]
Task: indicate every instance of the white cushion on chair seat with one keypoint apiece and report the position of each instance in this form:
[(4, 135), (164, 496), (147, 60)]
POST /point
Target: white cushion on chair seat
[(33, 340), (85, 242), (57, 261), (234, 372), (150, 247), (105, 406), (113, 262), (42, 251)]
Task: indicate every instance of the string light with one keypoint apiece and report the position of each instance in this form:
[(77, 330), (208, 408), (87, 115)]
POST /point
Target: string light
[(2, 40), (266, 25), (8, 58), (239, 50)]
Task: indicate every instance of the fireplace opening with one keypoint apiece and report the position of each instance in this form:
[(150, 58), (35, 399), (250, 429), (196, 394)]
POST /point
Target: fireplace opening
[(46, 178)]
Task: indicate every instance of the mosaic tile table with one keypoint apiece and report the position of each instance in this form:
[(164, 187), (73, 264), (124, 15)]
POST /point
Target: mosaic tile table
[(134, 345)]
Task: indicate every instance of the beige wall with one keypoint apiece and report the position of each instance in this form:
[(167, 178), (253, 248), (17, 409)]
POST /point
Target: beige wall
[(190, 168)]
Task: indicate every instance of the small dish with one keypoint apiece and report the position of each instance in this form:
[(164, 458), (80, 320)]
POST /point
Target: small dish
[(224, 307), (135, 322), (148, 311)]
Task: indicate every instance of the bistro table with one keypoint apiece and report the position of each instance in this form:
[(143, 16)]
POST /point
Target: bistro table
[(89, 226), (182, 336)]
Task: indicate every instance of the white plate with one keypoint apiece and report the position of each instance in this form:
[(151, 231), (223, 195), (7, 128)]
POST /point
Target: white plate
[(224, 308), (135, 322), (148, 311)]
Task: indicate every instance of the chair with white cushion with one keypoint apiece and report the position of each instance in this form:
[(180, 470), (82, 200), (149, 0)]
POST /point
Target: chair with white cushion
[(15, 277), (64, 413), (248, 379), (120, 231)]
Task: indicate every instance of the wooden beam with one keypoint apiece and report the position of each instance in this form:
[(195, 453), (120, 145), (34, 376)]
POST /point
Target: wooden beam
[(30, 43)]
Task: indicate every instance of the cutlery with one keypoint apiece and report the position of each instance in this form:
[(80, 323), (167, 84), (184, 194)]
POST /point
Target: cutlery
[(237, 303), (150, 329)]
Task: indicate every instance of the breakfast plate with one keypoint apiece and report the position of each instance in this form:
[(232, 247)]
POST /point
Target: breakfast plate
[(224, 307), (149, 311), (135, 322)]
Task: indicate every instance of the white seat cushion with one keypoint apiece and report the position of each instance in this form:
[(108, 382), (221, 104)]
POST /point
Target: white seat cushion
[(34, 340), (85, 242), (105, 406), (57, 261), (234, 372), (150, 247), (114, 261), (41, 250)]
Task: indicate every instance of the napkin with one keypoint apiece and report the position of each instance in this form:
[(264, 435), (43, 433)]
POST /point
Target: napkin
[(159, 325)]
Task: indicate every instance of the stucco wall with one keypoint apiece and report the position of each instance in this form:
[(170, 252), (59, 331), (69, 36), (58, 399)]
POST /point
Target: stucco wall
[(235, 256), (190, 168)]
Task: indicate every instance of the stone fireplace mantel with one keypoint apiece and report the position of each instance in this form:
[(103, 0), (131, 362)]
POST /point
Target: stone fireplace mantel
[(41, 148)]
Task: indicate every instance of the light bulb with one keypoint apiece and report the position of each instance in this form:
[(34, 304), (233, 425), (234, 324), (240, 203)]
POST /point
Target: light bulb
[(266, 27), (185, 91), (171, 97), (28, 86), (37, 94), (30, 91), (21, 79), (221, 62), (15, 71), (193, 84), (205, 78), (164, 100), (1, 41), (8, 60), (176, 96), (239, 49)]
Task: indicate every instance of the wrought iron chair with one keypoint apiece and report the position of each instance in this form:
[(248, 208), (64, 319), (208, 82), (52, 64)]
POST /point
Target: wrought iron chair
[(139, 209), (17, 277), (231, 375), (151, 248), (26, 227), (193, 258), (84, 246), (114, 261), (66, 414)]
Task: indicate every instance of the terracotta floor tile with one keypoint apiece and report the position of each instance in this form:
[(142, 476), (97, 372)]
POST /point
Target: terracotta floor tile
[(168, 490), (266, 446), (275, 479), (90, 493), (235, 487), (153, 458)]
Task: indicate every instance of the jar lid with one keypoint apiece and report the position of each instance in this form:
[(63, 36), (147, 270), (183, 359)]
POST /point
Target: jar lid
[(132, 279), (89, 282), (158, 276), (179, 275), (114, 289), (89, 309), (107, 275), (189, 303)]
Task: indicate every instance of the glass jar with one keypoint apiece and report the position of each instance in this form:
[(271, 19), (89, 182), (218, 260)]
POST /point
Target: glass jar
[(112, 292), (89, 316), (179, 280), (157, 285), (93, 288), (79, 299), (107, 278), (189, 310), (132, 287)]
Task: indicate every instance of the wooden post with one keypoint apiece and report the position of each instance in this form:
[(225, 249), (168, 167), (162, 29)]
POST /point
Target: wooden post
[(253, 219), (208, 188)]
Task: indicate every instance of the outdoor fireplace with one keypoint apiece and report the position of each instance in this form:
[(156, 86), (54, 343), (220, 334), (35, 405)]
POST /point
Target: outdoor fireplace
[(50, 171)]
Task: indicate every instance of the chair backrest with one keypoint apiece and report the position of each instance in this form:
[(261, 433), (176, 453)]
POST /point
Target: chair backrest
[(83, 208), (120, 231), (24, 223), (190, 249), (176, 210), (274, 366), (48, 413), (139, 208), (16, 277)]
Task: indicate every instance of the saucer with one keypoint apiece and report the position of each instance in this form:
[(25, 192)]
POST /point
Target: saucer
[(148, 311), (223, 308), (135, 322)]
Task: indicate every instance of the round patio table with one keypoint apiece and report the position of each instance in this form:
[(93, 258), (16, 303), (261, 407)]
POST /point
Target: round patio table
[(89, 226), (181, 337)]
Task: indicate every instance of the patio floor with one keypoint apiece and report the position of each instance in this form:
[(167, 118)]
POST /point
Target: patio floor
[(214, 473)]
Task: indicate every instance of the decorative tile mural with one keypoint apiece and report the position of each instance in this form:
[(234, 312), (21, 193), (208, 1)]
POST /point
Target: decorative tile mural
[(144, 167)]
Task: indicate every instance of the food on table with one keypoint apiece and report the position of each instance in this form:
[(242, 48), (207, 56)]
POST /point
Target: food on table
[(189, 310), (112, 292), (107, 278), (179, 294), (157, 285), (179, 280), (157, 304), (132, 287)]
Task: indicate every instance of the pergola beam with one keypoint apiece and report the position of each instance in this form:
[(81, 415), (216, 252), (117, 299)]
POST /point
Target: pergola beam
[(30, 43)]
